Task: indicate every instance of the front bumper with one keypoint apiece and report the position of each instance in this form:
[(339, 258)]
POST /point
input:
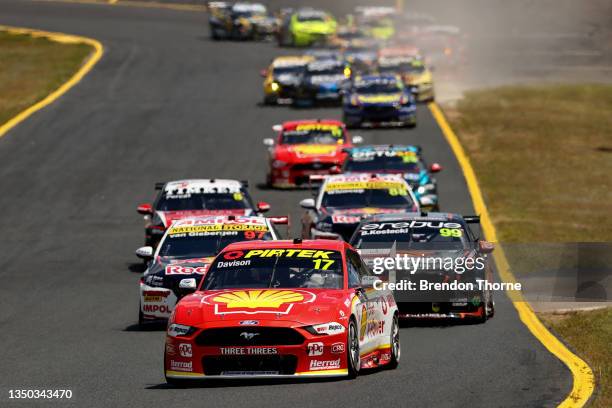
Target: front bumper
[(298, 175), (156, 303), (315, 356)]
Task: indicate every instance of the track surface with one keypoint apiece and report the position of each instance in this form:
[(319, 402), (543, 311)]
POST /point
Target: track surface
[(165, 102)]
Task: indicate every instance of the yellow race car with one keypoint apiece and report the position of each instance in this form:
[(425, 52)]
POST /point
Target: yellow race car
[(407, 62), (282, 78)]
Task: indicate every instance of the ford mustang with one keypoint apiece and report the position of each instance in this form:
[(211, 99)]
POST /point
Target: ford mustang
[(184, 254), (398, 159), (304, 148), (449, 252), (343, 200), (283, 309), (196, 197)]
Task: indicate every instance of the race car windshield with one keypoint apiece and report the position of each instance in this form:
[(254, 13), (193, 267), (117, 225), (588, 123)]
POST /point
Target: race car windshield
[(197, 245), (307, 18), (369, 88), (275, 268), (320, 136), (380, 198), (288, 70), (403, 164), (402, 236), (338, 70), (212, 201)]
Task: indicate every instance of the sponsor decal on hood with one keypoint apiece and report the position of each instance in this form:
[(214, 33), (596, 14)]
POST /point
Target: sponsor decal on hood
[(314, 150), (251, 301)]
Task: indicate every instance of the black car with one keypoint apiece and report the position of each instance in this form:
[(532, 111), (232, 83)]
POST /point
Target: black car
[(321, 82), (240, 21), (439, 253)]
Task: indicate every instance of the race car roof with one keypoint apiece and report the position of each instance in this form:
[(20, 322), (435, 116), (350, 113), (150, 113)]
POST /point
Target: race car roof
[(291, 61), (293, 124), (330, 244), (383, 148), (197, 185), (362, 177), (241, 222), (323, 64), (254, 7), (415, 216)]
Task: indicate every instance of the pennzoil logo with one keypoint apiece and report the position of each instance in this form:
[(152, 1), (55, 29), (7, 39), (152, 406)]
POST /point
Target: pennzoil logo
[(279, 301)]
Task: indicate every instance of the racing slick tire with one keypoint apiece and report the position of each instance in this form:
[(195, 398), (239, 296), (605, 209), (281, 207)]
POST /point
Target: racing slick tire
[(353, 358), (396, 349)]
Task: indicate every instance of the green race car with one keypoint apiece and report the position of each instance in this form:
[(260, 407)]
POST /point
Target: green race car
[(307, 27)]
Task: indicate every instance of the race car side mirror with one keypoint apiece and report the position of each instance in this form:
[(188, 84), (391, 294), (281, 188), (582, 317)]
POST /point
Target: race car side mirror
[(435, 167), (262, 206), (145, 252), (486, 247), (277, 128), (357, 139), (268, 141), (188, 284), (263, 73), (145, 209), (308, 203)]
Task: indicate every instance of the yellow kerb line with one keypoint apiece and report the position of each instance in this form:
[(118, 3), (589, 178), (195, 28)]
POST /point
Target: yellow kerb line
[(583, 378), (65, 87)]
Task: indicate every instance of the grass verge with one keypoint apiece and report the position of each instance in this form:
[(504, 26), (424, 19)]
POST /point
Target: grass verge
[(32, 68), (543, 156), (590, 335)]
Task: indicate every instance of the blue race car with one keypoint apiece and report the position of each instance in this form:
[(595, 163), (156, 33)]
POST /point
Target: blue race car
[(321, 82), (378, 100), (405, 159)]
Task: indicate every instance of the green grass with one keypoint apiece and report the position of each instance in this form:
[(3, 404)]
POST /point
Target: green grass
[(590, 335), (543, 157), (31, 68)]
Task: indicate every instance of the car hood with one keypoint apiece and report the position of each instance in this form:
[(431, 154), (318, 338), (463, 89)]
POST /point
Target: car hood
[(167, 217), (304, 306), (309, 152)]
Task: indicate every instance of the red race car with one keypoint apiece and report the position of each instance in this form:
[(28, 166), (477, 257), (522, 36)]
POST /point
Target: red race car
[(304, 148), (283, 309)]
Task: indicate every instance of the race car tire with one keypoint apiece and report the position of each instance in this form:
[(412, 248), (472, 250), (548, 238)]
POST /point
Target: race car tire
[(353, 358), (396, 349), (141, 319)]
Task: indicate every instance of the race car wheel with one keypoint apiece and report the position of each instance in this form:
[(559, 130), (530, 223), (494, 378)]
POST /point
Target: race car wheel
[(141, 319), (396, 349), (352, 349)]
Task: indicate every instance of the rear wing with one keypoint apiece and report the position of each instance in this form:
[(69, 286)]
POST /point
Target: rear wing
[(281, 220)]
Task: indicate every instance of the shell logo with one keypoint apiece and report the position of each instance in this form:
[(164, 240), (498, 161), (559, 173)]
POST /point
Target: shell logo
[(254, 299)]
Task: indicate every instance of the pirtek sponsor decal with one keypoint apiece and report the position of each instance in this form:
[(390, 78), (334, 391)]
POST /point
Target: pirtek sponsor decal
[(248, 351), (324, 364)]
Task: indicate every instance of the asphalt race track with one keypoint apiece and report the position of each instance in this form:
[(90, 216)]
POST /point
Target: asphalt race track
[(165, 102)]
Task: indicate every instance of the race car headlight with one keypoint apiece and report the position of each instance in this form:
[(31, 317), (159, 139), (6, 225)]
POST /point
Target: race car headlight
[(325, 329), (176, 330), (324, 226), (274, 86), (277, 164)]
